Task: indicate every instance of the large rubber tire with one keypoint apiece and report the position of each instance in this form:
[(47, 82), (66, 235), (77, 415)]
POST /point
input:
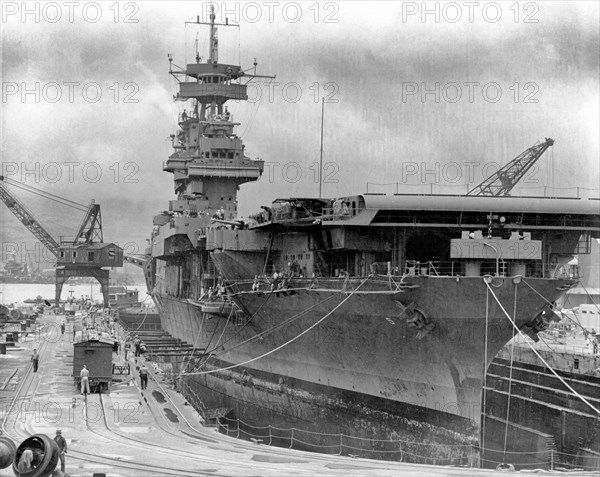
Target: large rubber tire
[(8, 449), (45, 449)]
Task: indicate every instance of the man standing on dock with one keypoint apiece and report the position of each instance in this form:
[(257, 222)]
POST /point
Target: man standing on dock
[(85, 380), (144, 376), (136, 343), (62, 447), (35, 359), (126, 347)]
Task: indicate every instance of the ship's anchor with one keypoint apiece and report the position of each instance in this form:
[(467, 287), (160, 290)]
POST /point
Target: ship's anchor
[(415, 318)]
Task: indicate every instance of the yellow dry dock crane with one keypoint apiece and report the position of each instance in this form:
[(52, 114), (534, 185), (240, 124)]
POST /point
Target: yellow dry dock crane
[(82, 256)]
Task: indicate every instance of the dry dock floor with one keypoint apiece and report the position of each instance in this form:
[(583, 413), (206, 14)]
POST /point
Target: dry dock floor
[(132, 432)]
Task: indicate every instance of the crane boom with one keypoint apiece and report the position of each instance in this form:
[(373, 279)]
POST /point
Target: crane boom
[(84, 256), (503, 181), (27, 218), (90, 230)]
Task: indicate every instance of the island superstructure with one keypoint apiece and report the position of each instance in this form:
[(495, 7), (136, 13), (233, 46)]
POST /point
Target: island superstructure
[(208, 166)]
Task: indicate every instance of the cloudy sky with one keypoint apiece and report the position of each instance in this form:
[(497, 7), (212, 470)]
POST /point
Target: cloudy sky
[(418, 99)]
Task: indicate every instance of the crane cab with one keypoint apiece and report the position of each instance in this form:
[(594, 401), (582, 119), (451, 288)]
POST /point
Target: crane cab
[(93, 255)]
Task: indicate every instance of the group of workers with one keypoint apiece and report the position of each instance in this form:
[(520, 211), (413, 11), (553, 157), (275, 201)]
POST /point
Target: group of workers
[(139, 349), (215, 293), (219, 214), (280, 280)]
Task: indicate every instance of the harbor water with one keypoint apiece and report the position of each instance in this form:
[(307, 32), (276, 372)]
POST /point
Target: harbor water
[(18, 292)]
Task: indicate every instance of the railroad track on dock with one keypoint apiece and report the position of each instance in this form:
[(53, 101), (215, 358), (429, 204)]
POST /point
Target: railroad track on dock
[(17, 424), (20, 422), (101, 428), (98, 425)]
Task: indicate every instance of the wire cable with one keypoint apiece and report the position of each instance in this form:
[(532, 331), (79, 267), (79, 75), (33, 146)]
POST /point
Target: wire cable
[(45, 194), (538, 355), (287, 342)]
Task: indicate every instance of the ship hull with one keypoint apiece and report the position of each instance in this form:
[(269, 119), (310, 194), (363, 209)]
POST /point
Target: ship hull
[(351, 362), (301, 415)]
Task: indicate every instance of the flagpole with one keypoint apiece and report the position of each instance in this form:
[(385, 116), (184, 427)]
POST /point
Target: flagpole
[(321, 160)]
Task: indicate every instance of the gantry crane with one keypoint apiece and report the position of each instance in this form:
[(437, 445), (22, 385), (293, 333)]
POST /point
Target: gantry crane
[(81, 256), (502, 182)]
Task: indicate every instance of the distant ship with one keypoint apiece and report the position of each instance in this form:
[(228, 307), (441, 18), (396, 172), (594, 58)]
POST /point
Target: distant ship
[(17, 272), (34, 279), (38, 300), (360, 325)]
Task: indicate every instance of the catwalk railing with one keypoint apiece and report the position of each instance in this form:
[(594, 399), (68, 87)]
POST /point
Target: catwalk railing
[(404, 450), (382, 271), (461, 455), (343, 444), (461, 189)]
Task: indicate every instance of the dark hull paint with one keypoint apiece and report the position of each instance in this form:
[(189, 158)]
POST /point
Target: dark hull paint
[(305, 416), (362, 367)]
